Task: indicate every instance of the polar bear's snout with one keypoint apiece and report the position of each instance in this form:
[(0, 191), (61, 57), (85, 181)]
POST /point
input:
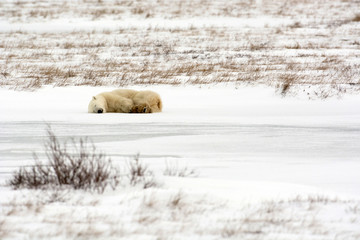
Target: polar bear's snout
[(100, 110)]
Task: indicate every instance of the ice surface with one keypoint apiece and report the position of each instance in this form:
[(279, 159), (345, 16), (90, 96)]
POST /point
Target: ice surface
[(249, 134), (267, 165)]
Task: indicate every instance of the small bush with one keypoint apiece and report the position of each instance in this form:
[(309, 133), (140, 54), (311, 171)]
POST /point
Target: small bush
[(287, 81), (140, 174), (82, 167)]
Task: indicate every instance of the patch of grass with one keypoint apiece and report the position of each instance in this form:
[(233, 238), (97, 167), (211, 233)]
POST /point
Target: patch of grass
[(356, 18), (295, 45), (177, 200), (287, 81), (173, 169), (193, 54), (257, 46), (296, 24), (140, 174)]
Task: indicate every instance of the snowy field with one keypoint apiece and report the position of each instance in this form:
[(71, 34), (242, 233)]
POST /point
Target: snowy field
[(267, 167), (260, 102), (282, 43)]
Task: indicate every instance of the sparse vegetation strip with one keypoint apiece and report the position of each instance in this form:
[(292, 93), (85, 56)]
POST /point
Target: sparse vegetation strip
[(317, 43)]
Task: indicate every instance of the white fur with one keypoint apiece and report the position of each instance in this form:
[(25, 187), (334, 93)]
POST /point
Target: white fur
[(125, 101)]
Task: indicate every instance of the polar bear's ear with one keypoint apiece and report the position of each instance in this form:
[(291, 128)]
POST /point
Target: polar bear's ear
[(94, 98)]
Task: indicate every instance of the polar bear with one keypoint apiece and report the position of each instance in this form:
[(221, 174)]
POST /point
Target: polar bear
[(126, 101)]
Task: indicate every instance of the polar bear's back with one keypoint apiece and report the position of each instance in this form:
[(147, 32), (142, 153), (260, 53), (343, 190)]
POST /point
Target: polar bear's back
[(127, 93)]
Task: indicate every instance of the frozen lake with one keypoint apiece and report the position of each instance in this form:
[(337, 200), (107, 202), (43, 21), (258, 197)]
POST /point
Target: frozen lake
[(309, 148)]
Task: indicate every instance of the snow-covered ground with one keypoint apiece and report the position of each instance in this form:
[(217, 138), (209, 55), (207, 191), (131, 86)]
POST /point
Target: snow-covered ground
[(260, 100), (119, 43), (251, 148)]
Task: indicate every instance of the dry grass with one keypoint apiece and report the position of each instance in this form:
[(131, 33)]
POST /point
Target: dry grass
[(173, 169), (183, 215), (287, 81), (189, 54), (356, 18), (140, 174)]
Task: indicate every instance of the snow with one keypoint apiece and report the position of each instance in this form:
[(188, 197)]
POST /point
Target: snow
[(268, 166), (214, 104), (87, 25), (248, 134), (260, 158)]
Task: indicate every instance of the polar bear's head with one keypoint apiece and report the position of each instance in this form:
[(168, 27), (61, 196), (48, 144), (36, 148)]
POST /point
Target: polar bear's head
[(97, 105)]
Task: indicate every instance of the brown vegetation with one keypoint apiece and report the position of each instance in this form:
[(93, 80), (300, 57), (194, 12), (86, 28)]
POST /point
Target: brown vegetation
[(189, 54), (79, 166)]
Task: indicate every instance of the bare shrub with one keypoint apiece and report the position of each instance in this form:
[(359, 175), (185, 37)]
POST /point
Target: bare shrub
[(140, 174), (285, 88), (81, 167), (287, 81), (173, 169)]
